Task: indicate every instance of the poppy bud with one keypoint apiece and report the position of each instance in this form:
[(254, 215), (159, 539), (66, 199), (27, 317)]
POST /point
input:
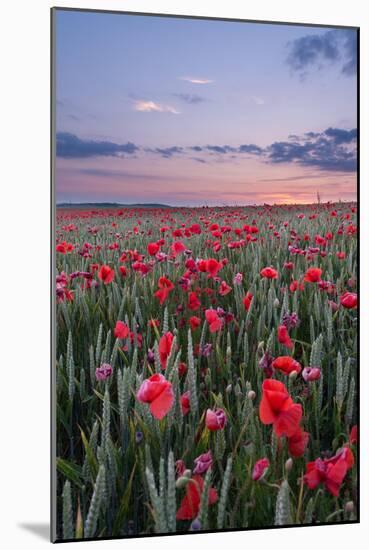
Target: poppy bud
[(276, 303), (251, 395), (229, 388), (288, 464), (182, 482), (293, 375), (349, 507), (187, 473), (260, 469)]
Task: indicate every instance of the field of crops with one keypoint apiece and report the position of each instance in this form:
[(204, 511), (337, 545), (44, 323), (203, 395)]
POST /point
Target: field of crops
[(206, 368)]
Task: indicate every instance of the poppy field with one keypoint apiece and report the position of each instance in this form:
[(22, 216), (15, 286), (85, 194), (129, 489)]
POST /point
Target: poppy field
[(206, 368)]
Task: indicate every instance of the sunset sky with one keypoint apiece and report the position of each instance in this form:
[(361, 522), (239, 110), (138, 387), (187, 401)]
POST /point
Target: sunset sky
[(193, 112)]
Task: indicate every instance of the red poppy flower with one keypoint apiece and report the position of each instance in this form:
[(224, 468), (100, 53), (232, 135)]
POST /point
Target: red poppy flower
[(224, 289), (165, 286), (158, 392), (182, 368), (277, 408), (178, 247), (286, 364), (165, 345), (215, 420), (215, 322), (247, 301), (330, 472), (152, 249), (195, 322), (269, 273), (353, 435), (212, 267), (297, 443), (283, 337), (313, 275), (123, 270), (260, 469), (295, 285), (193, 301), (185, 403), (121, 330), (349, 300), (195, 229), (106, 274), (190, 504)]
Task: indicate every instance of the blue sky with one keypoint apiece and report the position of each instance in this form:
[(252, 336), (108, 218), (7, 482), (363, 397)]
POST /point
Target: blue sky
[(180, 111)]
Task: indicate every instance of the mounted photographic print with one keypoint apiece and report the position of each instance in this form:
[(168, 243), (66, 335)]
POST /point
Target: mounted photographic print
[(205, 275)]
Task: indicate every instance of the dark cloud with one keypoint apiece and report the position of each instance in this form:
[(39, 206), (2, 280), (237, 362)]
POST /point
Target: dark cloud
[(220, 149), (332, 150), (251, 149), (191, 99), (70, 146), (118, 174), (335, 46), (340, 136), (167, 152), (200, 160)]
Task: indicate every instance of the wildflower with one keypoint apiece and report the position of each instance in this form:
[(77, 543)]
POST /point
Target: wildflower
[(353, 435), (286, 364), (150, 357), (121, 330), (158, 392), (165, 346), (203, 463), (313, 275), (349, 300), (165, 286), (330, 472), (290, 320), (283, 337), (122, 270), (152, 249), (106, 274), (260, 469), (269, 273), (193, 301), (277, 408), (224, 289), (103, 372), (215, 419), (185, 403), (310, 374), (195, 525), (247, 300), (297, 443), (190, 505), (195, 322), (212, 267), (266, 363), (206, 350), (178, 247), (237, 279), (213, 319)]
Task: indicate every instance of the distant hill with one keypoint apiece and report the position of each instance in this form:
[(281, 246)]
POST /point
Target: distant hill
[(109, 205)]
